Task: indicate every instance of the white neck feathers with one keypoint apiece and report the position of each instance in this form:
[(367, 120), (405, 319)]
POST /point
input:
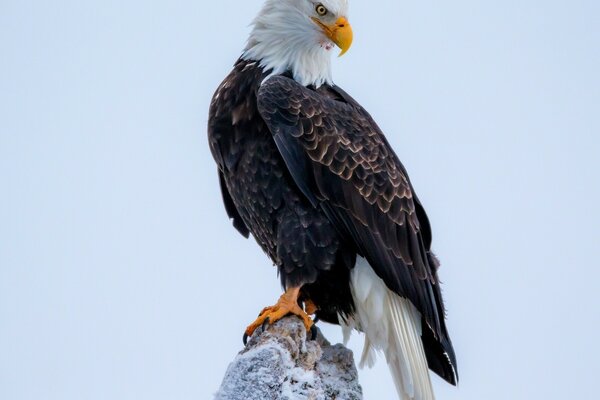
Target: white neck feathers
[(284, 39)]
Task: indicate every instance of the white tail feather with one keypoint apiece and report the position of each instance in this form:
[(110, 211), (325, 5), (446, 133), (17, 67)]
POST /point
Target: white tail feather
[(393, 325)]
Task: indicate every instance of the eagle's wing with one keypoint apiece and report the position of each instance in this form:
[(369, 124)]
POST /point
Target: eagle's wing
[(342, 163), (231, 209)]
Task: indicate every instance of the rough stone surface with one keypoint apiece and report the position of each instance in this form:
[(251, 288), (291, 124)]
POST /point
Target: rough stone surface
[(281, 364)]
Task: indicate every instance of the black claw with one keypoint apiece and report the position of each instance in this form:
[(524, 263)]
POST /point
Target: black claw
[(313, 332), (245, 339), (266, 323)]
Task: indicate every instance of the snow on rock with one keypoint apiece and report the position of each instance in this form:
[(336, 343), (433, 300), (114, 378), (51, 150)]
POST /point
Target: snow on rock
[(281, 364)]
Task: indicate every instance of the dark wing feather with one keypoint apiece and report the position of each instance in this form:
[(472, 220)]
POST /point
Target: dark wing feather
[(342, 163), (231, 209)]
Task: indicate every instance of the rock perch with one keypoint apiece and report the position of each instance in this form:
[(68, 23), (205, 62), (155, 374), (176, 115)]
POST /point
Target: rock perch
[(281, 364)]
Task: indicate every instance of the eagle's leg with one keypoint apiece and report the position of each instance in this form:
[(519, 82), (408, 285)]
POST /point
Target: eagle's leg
[(310, 307), (287, 304)]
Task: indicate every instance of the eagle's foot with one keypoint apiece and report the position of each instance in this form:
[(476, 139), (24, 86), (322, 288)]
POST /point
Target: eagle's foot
[(310, 307), (287, 304)]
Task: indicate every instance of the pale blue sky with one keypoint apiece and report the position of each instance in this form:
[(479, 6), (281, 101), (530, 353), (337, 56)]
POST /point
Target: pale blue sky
[(120, 276)]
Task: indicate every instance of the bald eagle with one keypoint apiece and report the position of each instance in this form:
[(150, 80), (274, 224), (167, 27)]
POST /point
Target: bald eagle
[(305, 170)]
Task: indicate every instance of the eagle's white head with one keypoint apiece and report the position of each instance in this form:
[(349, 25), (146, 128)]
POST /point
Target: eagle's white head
[(298, 36)]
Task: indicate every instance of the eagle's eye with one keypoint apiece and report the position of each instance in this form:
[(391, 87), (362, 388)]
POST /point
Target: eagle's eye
[(321, 10)]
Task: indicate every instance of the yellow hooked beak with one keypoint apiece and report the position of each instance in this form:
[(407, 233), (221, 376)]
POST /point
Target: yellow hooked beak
[(339, 33)]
